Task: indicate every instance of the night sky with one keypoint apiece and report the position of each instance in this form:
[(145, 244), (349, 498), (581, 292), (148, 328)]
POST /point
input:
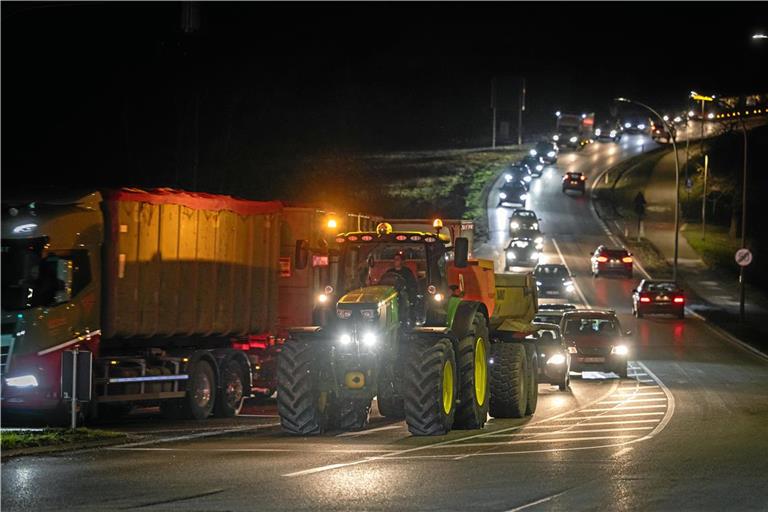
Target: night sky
[(107, 94)]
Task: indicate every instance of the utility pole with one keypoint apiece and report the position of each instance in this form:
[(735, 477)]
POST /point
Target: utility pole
[(704, 200), (520, 116), (493, 109)]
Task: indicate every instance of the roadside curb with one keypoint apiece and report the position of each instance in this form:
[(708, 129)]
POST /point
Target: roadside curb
[(59, 448), (714, 327)]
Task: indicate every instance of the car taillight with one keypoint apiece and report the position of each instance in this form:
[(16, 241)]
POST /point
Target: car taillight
[(627, 259), (645, 299), (678, 300), (602, 259)]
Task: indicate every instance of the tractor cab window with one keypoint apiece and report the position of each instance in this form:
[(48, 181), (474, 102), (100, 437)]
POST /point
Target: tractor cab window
[(364, 264)]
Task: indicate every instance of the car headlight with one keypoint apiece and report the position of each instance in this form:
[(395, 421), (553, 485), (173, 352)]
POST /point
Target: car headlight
[(344, 314), (523, 197), (345, 339), (527, 179), (368, 314), (641, 127), (555, 138), (570, 288), (620, 350), (515, 226), (573, 139), (23, 381), (534, 255), (508, 177), (503, 195), (677, 119), (627, 125), (533, 152), (511, 255), (598, 132), (540, 167), (369, 339), (556, 359), (613, 133), (551, 154), (567, 283)]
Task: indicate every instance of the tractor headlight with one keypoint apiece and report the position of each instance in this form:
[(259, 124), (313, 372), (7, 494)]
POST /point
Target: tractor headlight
[(368, 314), (370, 339), (573, 139), (345, 339), (24, 381), (344, 314), (556, 359), (620, 350)]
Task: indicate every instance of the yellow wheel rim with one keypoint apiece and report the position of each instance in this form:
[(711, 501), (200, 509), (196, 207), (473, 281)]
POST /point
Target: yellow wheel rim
[(481, 371), (447, 387)]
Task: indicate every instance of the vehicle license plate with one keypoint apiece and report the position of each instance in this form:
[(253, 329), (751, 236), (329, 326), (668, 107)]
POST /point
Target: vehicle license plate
[(594, 359)]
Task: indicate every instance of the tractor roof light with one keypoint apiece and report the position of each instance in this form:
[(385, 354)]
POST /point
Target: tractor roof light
[(438, 225), (384, 228), (331, 223)]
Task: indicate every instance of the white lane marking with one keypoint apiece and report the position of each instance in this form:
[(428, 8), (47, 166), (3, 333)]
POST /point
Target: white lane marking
[(531, 504), (634, 400), (617, 415), (641, 393), (371, 431), (528, 441), (451, 441), (575, 284), (564, 432), (622, 422), (622, 452), (626, 408), (196, 436)]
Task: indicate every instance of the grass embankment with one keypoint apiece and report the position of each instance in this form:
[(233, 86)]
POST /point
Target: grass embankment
[(12, 440), (717, 249)]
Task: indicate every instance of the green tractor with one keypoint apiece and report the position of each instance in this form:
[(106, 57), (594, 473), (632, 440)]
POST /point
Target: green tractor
[(412, 329)]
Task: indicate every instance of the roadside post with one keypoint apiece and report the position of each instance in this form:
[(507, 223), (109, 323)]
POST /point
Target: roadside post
[(743, 258), (76, 368), (704, 200)]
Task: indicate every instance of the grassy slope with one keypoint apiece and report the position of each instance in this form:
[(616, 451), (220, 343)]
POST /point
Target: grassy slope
[(24, 439)]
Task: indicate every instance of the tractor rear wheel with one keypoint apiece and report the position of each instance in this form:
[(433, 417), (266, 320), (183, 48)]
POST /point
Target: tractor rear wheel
[(509, 395), (472, 360), (430, 387), (303, 407)]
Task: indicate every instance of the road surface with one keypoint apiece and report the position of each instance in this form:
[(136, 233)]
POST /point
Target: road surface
[(687, 430)]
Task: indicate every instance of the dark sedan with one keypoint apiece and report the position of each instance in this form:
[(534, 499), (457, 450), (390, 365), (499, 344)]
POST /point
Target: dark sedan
[(554, 280), (657, 296)]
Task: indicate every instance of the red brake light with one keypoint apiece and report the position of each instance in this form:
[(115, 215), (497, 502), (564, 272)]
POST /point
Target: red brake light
[(645, 299), (602, 259), (627, 259), (678, 300)]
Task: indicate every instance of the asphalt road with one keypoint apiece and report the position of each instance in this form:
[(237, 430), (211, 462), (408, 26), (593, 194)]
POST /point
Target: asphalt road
[(688, 430)]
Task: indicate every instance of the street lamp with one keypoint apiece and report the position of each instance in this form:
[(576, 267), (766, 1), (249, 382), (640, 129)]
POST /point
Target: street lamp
[(677, 177)]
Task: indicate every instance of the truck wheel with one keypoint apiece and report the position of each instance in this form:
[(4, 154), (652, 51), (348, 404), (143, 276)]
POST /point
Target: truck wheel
[(430, 387), (472, 360), (533, 381), (354, 414), (508, 380), (230, 400), (304, 409), (201, 392)]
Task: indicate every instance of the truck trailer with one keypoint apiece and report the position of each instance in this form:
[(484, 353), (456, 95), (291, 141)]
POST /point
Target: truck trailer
[(183, 298)]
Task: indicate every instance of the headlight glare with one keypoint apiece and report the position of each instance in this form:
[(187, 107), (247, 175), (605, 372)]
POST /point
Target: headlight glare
[(369, 339), (556, 359), (345, 339), (620, 350), (23, 381)]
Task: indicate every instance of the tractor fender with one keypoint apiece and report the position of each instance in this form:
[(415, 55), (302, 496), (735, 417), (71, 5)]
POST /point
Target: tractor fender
[(462, 320)]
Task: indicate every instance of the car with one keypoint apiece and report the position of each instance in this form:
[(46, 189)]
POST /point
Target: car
[(524, 223), (553, 279), (513, 193), (611, 260), (552, 313), (635, 126), (545, 151), (608, 132), (596, 341), (536, 167), (658, 296), (521, 252), (554, 358), (518, 173), (661, 132), (574, 181)]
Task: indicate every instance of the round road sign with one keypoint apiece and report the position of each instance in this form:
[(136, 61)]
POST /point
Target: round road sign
[(743, 257)]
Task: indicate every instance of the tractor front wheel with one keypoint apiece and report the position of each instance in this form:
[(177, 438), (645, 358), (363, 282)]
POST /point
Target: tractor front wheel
[(430, 387), (472, 360)]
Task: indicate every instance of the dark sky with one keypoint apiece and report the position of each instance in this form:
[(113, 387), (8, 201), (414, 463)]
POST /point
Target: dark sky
[(119, 94)]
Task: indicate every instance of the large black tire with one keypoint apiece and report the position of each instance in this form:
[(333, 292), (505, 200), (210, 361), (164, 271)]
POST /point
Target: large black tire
[(354, 414), (474, 388), (429, 411), (533, 380), (390, 404), (232, 390), (303, 408), (509, 395)]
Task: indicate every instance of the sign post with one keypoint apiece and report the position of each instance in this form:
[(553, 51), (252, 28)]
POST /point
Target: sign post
[(76, 367)]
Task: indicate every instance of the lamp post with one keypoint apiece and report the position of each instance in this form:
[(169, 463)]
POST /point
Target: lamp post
[(677, 177)]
